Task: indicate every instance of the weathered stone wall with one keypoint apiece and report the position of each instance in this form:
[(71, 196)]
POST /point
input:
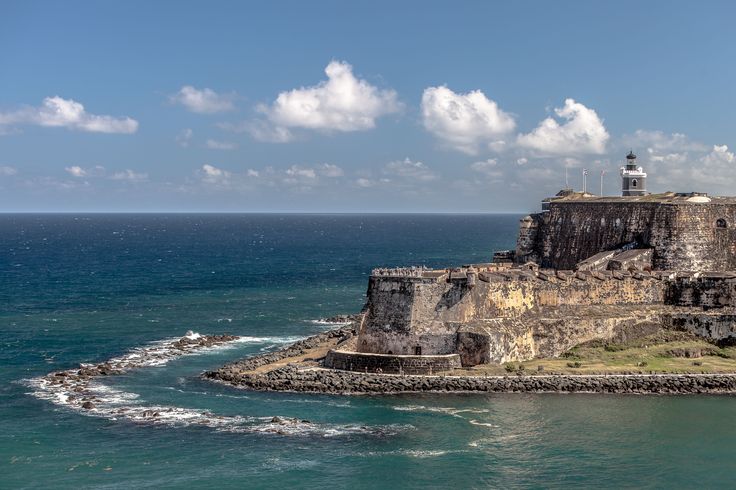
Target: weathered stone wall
[(544, 335), (685, 236), (430, 312), (715, 325), (704, 290), (389, 326), (390, 364)]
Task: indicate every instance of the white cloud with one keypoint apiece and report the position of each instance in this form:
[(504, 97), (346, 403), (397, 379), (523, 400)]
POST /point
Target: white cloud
[(76, 171), (7, 171), (582, 132), (263, 131), (465, 122), (365, 183), (718, 156), (329, 170), (67, 113), (658, 142), (220, 145), (522, 161), (489, 168), (408, 169), (130, 176), (184, 137), (252, 173), (301, 172), (205, 101), (341, 103), (213, 175)]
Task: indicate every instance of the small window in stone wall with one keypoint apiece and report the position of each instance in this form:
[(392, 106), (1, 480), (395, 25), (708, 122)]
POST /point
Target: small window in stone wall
[(417, 351), (633, 183), (721, 223)]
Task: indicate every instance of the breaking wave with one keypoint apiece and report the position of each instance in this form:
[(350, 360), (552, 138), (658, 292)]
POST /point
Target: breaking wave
[(82, 390)]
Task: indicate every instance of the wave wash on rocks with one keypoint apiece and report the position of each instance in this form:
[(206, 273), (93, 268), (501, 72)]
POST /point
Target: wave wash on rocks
[(80, 389)]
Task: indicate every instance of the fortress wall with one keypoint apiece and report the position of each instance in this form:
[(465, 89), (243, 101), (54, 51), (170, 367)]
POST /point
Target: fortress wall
[(517, 339), (573, 231), (684, 235), (430, 312), (389, 327), (718, 327), (704, 291), (700, 245), (390, 364)]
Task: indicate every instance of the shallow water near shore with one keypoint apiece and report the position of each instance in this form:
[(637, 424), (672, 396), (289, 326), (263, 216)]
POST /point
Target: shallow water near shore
[(88, 288)]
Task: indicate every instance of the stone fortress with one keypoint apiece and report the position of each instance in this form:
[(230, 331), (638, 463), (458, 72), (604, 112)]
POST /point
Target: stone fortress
[(586, 267)]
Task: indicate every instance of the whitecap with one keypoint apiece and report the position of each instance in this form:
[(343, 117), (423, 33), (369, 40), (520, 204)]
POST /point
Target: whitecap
[(89, 396)]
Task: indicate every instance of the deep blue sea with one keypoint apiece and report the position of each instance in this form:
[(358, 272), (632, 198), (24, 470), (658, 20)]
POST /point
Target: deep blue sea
[(87, 288)]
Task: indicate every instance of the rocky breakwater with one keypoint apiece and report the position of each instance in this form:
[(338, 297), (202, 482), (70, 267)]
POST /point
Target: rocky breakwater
[(280, 371), (73, 388), (292, 378)]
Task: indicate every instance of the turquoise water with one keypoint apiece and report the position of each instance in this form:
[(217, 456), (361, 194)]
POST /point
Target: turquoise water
[(86, 288)]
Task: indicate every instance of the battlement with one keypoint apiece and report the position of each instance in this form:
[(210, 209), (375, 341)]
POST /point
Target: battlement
[(685, 231)]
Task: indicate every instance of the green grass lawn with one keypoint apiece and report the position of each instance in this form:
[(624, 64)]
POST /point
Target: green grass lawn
[(662, 352)]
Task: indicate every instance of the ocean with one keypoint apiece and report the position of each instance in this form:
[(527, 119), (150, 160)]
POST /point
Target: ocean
[(85, 288)]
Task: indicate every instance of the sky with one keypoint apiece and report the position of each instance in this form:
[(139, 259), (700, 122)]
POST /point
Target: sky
[(340, 107)]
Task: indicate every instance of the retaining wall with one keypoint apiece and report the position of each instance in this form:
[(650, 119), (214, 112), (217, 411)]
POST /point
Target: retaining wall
[(390, 364)]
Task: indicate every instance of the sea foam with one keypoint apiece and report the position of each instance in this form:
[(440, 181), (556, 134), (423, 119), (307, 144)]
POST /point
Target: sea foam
[(82, 390)]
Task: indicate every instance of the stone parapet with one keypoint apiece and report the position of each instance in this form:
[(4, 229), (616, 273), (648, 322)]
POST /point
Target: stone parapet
[(390, 364)]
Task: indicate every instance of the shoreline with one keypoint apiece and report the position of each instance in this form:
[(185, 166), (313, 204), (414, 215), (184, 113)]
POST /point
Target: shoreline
[(309, 377)]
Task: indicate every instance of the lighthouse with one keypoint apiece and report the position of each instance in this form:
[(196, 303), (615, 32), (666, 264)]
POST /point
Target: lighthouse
[(633, 178)]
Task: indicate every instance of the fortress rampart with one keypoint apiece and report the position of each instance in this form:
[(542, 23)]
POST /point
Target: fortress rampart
[(492, 315), (685, 235), (585, 268), (391, 364), (406, 313)]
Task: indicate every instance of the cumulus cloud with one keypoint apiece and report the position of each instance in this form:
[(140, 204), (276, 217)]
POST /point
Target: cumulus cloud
[(205, 101), (466, 122), (489, 168), (408, 169), (297, 175), (668, 151), (716, 168), (657, 142), (582, 132), (76, 171), (7, 171), (329, 170), (67, 113), (220, 145), (264, 131), (340, 103), (213, 175), (129, 176)]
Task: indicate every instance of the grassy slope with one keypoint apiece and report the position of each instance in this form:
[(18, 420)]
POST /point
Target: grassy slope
[(644, 355)]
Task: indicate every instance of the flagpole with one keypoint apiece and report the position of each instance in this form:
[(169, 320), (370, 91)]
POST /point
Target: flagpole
[(585, 180), (602, 172)]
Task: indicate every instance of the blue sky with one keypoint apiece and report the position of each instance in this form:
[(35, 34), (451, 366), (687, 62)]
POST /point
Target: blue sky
[(358, 107)]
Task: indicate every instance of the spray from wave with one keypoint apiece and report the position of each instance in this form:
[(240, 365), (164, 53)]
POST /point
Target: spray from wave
[(81, 389)]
